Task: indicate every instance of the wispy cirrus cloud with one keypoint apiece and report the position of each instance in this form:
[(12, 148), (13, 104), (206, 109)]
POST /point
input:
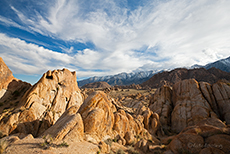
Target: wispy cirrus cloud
[(156, 34)]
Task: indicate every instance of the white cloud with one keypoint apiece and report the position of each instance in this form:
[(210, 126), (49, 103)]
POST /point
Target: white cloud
[(171, 34), (29, 58)]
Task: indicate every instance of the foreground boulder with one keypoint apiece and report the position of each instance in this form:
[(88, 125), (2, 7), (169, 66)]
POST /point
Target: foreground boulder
[(98, 117), (209, 136), (44, 103), (68, 127)]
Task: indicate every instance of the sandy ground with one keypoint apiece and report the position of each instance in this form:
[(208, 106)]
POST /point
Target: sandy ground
[(30, 145)]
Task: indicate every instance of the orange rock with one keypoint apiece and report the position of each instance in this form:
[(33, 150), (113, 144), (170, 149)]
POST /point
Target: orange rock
[(46, 101), (6, 75), (68, 127), (97, 115), (201, 138)]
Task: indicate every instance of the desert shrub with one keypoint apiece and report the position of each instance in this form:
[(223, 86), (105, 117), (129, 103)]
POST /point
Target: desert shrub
[(120, 151), (115, 140), (131, 150), (64, 144), (109, 141)]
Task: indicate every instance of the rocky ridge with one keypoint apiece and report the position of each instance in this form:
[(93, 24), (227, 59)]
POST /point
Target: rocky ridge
[(169, 78), (100, 84), (11, 89), (121, 78), (189, 116)]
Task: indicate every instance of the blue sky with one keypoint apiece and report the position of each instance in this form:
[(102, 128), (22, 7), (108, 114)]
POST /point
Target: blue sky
[(105, 37)]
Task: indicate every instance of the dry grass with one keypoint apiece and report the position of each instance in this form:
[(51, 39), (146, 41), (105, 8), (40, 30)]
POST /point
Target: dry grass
[(3, 146), (128, 92)]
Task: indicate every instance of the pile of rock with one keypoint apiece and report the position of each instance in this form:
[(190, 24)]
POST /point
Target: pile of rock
[(187, 116)]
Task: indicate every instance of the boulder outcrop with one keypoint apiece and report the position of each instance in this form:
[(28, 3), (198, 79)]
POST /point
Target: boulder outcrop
[(190, 116), (221, 92), (11, 89), (6, 75), (210, 135), (68, 127), (97, 115), (161, 103), (44, 103), (190, 106)]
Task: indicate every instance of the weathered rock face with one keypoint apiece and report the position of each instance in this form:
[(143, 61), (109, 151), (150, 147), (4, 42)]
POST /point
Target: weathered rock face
[(207, 92), (11, 89), (162, 105), (189, 104), (221, 92), (44, 103), (124, 123), (68, 127), (6, 75), (97, 115), (201, 138)]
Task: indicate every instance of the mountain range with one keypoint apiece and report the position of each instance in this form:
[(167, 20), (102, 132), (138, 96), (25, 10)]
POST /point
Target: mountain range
[(143, 76), (121, 79)]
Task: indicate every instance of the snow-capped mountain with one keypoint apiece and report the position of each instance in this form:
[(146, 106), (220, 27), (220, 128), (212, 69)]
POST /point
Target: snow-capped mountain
[(121, 79), (142, 76), (223, 64)]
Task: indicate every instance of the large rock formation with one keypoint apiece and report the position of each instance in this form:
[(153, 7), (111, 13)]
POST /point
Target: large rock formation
[(6, 75), (44, 103), (189, 104), (206, 137), (11, 89), (161, 103), (55, 109), (221, 92), (68, 127), (98, 117)]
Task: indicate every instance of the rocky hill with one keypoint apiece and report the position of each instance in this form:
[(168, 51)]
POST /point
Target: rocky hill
[(55, 116), (100, 84), (211, 75), (121, 79)]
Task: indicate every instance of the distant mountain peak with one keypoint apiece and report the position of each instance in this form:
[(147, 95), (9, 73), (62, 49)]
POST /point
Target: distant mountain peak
[(222, 64), (121, 78)]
